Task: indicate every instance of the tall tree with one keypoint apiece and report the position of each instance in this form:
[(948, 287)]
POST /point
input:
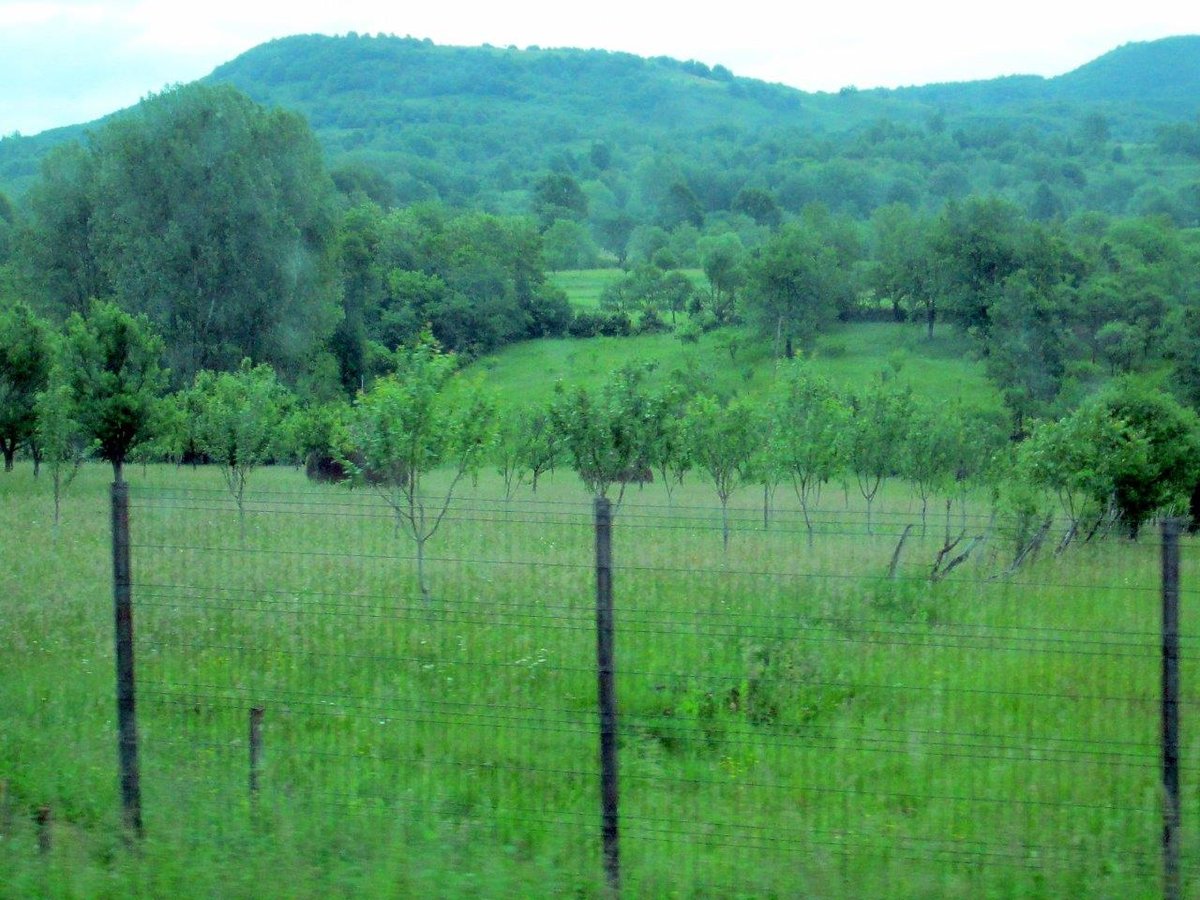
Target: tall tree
[(794, 287), (208, 213)]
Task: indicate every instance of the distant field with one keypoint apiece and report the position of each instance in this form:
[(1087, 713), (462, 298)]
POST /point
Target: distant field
[(850, 354), (583, 286)]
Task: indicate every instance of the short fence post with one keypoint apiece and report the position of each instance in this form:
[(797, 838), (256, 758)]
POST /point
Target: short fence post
[(256, 723), (607, 695), (43, 830), (127, 738), (1172, 885)]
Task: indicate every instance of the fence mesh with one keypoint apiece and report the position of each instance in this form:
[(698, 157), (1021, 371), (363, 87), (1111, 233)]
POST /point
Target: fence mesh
[(806, 711)]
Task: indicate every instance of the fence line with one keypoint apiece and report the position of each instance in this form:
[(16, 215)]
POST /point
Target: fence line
[(787, 719)]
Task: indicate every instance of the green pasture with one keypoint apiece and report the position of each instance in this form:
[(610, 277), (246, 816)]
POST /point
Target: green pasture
[(794, 722), (583, 286), (732, 360)]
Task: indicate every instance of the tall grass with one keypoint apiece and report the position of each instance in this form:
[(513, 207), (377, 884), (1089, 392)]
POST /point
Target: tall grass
[(793, 721)]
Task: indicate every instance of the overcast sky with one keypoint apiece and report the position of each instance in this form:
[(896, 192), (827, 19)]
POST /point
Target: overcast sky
[(74, 60)]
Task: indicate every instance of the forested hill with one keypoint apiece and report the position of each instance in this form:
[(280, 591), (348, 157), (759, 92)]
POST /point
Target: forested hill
[(660, 141)]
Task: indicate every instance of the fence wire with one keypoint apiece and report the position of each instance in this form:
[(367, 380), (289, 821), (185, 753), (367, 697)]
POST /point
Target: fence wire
[(810, 711)]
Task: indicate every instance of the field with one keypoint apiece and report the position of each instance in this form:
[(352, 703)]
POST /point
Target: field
[(793, 721), (850, 355)]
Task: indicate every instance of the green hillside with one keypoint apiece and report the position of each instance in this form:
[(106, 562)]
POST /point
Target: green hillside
[(663, 142)]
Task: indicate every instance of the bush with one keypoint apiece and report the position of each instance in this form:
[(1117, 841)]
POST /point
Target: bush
[(600, 324)]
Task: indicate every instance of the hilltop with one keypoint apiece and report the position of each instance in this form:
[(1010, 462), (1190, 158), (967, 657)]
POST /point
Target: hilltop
[(407, 120)]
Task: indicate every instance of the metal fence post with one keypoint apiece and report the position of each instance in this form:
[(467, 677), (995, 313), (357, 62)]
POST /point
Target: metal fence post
[(1172, 884), (127, 739), (605, 671)]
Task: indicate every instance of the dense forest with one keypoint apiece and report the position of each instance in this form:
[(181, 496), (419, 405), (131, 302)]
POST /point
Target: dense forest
[(322, 205)]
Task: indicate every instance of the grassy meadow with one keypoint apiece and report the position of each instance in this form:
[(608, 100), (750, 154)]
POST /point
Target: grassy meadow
[(850, 355), (794, 722)]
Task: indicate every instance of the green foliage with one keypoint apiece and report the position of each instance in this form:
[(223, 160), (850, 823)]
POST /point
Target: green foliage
[(877, 435), (722, 442), (25, 360), (526, 447), (794, 287), (1185, 350), (810, 424), (113, 367), (1079, 459), (60, 438), (239, 421), (207, 213), (476, 280), (1163, 478), (412, 422), (556, 196), (608, 433)]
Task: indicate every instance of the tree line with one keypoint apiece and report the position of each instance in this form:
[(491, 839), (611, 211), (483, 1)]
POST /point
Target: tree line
[(98, 389), (216, 219)]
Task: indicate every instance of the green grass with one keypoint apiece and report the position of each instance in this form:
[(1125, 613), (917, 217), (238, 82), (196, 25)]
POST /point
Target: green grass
[(584, 286), (851, 355), (793, 723)]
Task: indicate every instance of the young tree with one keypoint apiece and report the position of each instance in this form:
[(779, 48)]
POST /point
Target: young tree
[(607, 433), (1164, 478), (669, 452), (541, 445), (877, 433), (722, 441), (64, 447), (25, 357), (809, 436), (928, 462), (111, 360), (1078, 458), (409, 424), (239, 424)]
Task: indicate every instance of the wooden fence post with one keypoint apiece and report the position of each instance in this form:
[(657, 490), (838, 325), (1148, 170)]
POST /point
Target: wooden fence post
[(607, 696), (127, 737)]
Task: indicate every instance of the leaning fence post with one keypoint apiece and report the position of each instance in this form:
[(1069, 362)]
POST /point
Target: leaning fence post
[(607, 695), (256, 724), (1172, 885), (127, 739)]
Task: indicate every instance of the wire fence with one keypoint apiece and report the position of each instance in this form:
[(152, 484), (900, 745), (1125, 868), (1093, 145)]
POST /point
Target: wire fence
[(808, 712)]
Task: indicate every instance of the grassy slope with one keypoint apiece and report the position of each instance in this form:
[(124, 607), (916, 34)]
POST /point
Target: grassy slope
[(938, 369), (849, 354)]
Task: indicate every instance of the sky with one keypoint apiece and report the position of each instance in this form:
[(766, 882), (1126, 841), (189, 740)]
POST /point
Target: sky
[(69, 61)]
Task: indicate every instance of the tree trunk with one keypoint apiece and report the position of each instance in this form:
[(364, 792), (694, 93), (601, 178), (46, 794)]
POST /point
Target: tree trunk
[(425, 595), (725, 523), (10, 451), (930, 314)]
